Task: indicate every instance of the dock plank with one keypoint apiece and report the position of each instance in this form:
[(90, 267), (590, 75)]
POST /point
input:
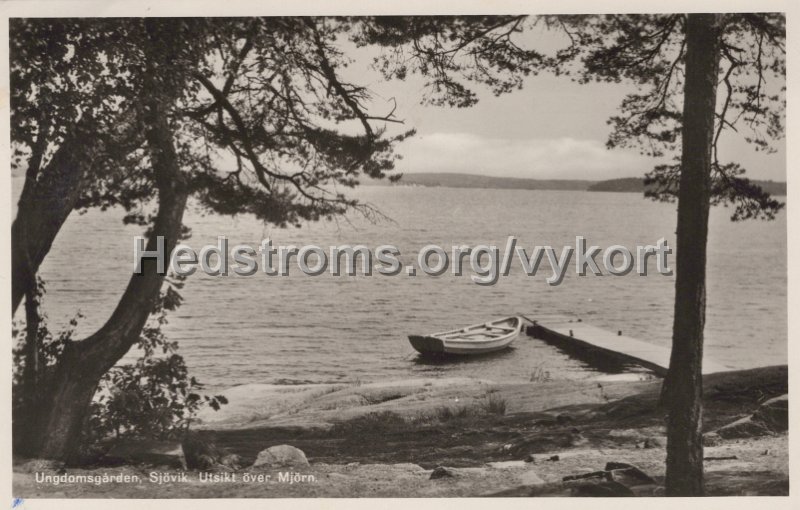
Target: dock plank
[(573, 333)]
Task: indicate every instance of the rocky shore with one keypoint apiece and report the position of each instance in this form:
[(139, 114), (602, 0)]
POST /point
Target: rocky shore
[(443, 437)]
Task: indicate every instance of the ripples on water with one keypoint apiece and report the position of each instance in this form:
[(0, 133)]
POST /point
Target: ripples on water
[(235, 330)]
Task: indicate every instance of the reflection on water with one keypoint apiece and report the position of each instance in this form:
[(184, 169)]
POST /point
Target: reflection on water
[(446, 360)]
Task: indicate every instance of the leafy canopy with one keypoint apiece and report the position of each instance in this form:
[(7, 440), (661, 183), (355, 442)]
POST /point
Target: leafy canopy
[(261, 117), (649, 51)]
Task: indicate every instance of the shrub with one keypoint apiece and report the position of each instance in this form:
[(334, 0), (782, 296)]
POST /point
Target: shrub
[(495, 405), (449, 413), (153, 397)]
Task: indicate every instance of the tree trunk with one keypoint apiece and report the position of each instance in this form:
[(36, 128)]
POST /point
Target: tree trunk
[(27, 405), (47, 199), (82, 365), (51, 193), (684, 390)]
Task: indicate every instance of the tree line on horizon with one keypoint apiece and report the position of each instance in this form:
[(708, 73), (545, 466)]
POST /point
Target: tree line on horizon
[(621, 184)]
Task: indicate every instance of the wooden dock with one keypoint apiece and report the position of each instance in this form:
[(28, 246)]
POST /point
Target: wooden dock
[(588, 342)]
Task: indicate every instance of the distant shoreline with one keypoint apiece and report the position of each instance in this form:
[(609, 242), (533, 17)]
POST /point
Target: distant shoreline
[(466, 180)]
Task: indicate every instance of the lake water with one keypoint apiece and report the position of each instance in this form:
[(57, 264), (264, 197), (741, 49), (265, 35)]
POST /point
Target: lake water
[(236, 330)]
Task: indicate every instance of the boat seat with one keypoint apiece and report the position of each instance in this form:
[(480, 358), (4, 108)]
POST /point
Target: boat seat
[(502, 328)]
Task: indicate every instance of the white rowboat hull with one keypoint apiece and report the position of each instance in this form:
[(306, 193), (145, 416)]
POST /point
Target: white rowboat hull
[(476, 339)]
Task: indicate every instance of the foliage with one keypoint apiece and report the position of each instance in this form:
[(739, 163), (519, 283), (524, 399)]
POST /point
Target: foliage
[(728, 186), (152, 397), (51, 345), (451, 52), (649, 51), (262, 119), (494, 404), (247, 115)]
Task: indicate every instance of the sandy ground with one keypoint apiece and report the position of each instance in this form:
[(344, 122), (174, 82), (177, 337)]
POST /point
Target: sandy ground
[(752, 473), (385, 439)]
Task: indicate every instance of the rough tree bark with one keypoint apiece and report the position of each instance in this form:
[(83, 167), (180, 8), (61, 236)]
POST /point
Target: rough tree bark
[(684, 390), (27, 411)]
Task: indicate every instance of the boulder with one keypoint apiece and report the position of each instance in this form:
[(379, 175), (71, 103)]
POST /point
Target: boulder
[(624, 473), (148, 451), (617, 479), (443, 472), (631, 477), (281, 456)]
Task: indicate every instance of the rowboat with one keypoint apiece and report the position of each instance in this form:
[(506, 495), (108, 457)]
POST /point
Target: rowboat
[(476, 339)]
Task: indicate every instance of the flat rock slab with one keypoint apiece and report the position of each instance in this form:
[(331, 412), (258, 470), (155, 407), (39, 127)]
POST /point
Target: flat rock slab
[(319, 406), (509, 464)]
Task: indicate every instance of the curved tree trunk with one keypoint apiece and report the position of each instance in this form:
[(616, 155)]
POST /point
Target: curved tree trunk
[(684, 390), (72, 385), (51, 192), (47, 199), (49, 196), (84, 363)]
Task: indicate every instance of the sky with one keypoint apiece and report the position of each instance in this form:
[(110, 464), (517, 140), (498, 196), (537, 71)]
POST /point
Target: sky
[(551, 129)]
